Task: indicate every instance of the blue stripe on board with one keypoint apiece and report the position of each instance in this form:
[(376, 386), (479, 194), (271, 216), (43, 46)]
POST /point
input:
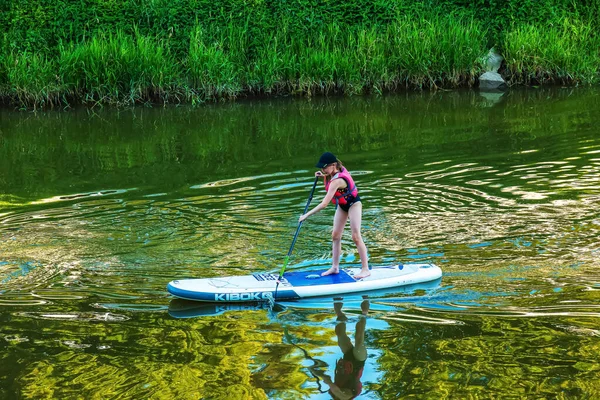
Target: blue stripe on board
[(314, 278)]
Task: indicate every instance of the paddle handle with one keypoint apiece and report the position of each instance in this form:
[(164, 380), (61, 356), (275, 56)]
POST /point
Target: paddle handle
[(285, 263), (287, 257)]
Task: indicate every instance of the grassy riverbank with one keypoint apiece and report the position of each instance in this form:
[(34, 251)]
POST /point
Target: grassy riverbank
[(196, 51)]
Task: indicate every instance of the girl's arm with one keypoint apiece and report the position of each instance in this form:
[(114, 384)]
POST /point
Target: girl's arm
[(335, 389), (335, 185)]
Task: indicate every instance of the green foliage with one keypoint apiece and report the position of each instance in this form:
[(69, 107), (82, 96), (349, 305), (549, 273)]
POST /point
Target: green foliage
[(500, 15), (215, 62), (567, 52), (182, 50), (3, 63), (115, 67), (438, 50), (30, 78), (42, 25), (411, 52)]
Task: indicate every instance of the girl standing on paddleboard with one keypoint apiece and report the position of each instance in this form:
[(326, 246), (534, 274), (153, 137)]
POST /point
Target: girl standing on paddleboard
[(342, 192)]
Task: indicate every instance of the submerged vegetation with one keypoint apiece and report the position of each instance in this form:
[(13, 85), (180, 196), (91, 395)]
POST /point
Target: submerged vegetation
[(170, 52)]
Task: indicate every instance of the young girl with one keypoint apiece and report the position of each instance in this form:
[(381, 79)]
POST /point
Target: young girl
[(341, 191)]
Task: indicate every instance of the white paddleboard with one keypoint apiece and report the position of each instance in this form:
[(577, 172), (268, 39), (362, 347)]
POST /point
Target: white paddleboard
[(301, 284)]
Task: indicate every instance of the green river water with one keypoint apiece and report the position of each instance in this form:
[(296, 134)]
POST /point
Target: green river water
[(100, 209)]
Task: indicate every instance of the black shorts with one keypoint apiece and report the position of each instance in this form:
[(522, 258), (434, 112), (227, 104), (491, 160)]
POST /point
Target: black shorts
[(346, 207)]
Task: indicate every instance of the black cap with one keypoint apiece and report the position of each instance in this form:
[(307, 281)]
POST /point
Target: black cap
[(326, 159)]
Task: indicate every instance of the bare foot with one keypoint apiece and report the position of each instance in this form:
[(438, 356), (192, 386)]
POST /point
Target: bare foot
[(363, 274), (331, 271), (337, 307), (364, 307)]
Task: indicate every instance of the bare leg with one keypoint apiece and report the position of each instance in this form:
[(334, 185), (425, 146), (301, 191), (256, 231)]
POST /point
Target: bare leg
[(339, 222), (360, 350), (344, 341), (337, 307), (355, 214)]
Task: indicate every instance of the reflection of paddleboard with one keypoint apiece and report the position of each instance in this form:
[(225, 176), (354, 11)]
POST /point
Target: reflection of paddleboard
[(298, 285), (179, 308)]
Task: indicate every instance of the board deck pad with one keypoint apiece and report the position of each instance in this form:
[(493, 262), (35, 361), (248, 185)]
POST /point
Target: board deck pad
[(310, 278)]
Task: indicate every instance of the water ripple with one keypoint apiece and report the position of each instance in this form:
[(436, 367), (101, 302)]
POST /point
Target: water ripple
[(106, 317)]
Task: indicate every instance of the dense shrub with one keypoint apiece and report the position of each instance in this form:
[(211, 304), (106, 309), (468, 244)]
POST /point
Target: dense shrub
[(41, 25), (157, 50)]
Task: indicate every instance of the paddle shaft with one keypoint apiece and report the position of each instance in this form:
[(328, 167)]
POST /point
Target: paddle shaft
[(287, 257)]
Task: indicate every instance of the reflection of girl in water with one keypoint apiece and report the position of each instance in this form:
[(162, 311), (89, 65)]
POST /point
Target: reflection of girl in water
[(349, 368)]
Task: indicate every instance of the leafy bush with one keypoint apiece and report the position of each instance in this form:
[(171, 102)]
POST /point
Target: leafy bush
[(157, 50)]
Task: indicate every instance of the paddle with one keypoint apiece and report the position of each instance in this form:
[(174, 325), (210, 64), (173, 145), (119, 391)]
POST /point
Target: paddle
[(287, 257)]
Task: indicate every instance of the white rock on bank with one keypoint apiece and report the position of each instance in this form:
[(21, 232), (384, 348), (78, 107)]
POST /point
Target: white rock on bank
[(491, 81)]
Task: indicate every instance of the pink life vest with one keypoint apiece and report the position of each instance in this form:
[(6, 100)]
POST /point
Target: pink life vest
[(345, 195)]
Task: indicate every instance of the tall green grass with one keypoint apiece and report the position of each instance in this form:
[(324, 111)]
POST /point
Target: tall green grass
[(568, 52), (224, 62), (409, 52), (274, 70), (119, 68), (216, 62), (133, 51), (445, 50), (236, 59), (3, 54), (30, 80)]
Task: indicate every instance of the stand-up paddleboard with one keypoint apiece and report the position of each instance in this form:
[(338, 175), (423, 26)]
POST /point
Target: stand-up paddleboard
[(384, 300), (299, 285)]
